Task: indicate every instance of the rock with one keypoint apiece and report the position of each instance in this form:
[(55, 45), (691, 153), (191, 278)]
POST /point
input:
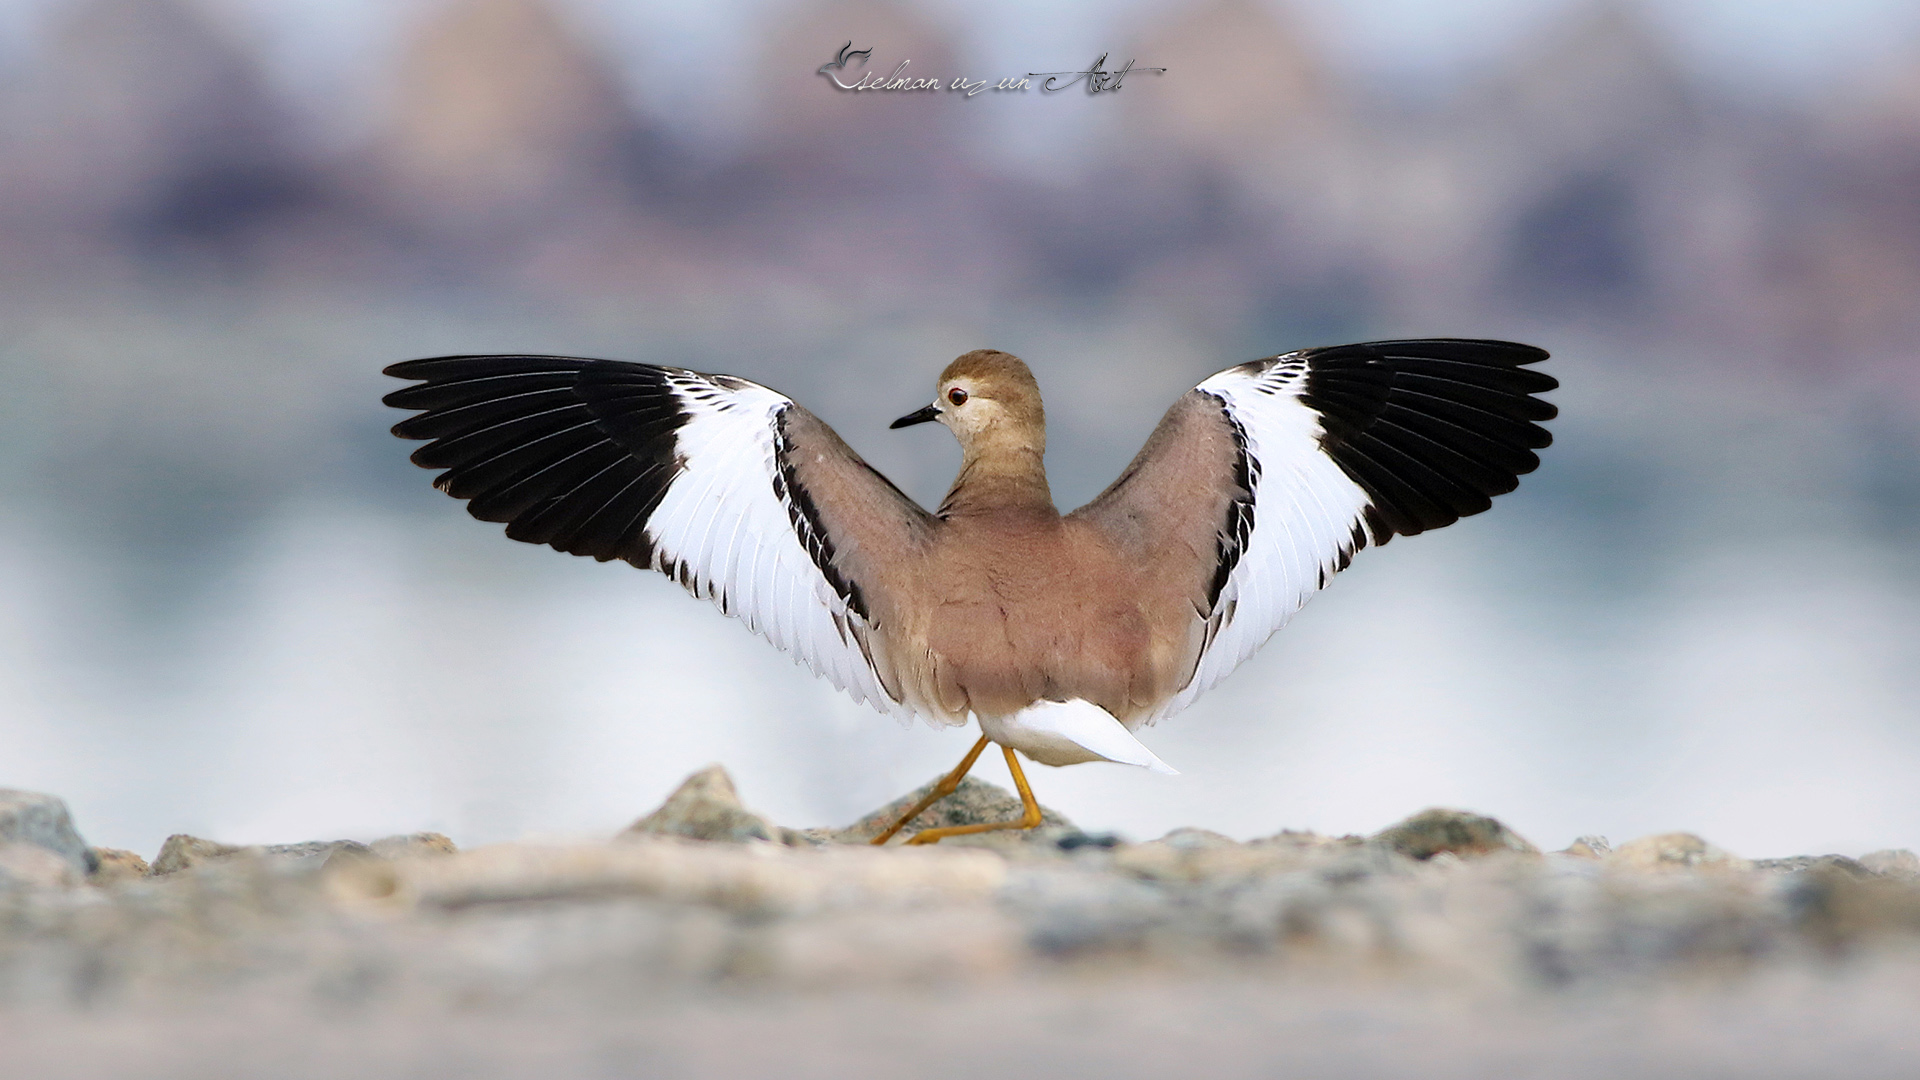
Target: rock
[(28, 817), (313, 849), (1431, 832), (319, 853), (1674, 851), (758, 879), (412, 845), (1074, 841), (1800, 863), (114, 865), (974, 802), (1191, 839), (410, 926), (182, 852), (31, 866), (1175, 858), (1898, 863), (1073, 909), (942, 945), (355, 879), (1196, 856), (1840, 908), (706, 807), (685, 931), (1302, 839)]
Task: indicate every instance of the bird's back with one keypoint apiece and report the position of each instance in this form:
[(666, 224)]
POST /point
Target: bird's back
[(1021, 607)]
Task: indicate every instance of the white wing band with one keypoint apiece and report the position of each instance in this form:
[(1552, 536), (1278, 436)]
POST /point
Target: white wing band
[(726, 533), (1307, 519)]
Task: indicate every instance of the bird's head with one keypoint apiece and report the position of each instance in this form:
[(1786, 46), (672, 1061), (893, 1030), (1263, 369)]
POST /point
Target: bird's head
[(986, 393)]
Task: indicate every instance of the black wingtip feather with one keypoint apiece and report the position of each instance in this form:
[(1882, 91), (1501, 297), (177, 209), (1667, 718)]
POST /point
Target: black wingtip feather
[(565, 451), (1431, 428)]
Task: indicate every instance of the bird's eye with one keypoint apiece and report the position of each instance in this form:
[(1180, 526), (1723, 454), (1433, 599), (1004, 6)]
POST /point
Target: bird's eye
[(957, 396)]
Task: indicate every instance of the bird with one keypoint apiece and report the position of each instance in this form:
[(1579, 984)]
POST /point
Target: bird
[(1059, 635)]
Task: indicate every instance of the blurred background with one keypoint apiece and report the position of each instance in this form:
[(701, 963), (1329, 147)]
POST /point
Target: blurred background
[(229, 606)]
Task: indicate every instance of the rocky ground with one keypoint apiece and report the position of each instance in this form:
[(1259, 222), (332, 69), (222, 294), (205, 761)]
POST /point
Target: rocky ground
[(708, 941)]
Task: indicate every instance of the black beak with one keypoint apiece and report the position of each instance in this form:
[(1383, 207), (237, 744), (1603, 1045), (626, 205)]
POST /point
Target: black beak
[(931, 412)]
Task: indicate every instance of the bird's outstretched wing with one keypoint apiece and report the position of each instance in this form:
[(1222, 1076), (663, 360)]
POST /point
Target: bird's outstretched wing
[(725, 486), (1262, 482)]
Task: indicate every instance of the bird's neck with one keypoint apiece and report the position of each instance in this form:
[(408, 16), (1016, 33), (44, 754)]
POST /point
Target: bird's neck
[(1000, 475)]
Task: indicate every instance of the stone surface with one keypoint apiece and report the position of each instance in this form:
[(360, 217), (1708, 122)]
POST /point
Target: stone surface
[(1894, 863), (315, 852), (182, 852), (1066, 1022), (1847, 908), (973, 802), (30, 866), (1196, 855), (412, 845), (706, 807), (754, 879), (1456, 832), (1589, 847), (28, 817), (112, 865), (1674, 851), (1794, 864), (1437, 949)]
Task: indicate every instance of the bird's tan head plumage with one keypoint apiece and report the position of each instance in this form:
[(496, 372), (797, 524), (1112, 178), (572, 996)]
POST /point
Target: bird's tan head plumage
[(990, 396)]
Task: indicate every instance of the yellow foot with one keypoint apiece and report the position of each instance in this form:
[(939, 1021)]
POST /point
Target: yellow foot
[(1027, 820), (941, 790)]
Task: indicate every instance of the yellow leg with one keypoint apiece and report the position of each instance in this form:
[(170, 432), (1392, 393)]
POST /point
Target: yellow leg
[(1026, 820), (941, 790)]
